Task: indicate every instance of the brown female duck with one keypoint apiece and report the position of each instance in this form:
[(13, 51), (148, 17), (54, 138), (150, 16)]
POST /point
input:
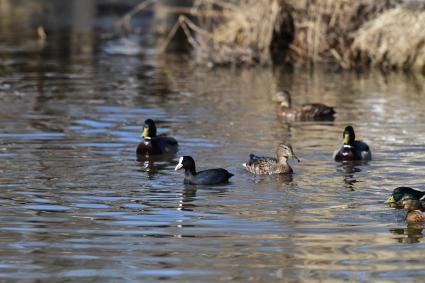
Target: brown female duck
[(270, 165), (307, 111)]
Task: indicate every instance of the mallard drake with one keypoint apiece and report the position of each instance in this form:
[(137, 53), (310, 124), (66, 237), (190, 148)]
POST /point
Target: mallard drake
[(206, 177), (352, 149), (270, 165), (307, 111), (411, 200), (153, 144)]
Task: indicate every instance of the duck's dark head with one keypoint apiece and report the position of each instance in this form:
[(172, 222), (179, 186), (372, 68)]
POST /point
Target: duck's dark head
[(405, 197), (284, 152), (187, 163), (349, 136), (284, 98), (149, 129)]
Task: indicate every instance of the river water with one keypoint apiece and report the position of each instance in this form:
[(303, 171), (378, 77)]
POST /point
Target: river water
[(77, 206)]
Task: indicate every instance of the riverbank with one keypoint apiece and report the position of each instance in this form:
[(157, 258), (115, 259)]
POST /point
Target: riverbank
[(389, 34)]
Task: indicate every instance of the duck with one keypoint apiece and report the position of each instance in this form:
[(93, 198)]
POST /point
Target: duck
[(410, 199), (307, 111), (205, 177), (154, 144), (269, 165), (352, 149)]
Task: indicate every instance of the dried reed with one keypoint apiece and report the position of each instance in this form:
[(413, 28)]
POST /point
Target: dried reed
[(340, 31), (323, 28), (238, 33), (394, 40)]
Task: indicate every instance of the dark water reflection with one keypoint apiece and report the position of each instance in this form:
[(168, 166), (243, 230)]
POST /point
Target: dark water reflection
[(76, 203)]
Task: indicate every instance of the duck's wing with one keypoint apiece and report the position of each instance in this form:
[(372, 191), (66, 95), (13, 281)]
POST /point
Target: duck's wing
[(363, 150), (260, 164), (165, 144), (316, 110), (255, 159), (168, 140)]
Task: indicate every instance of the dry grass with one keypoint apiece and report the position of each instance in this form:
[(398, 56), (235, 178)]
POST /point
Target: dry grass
[(394, 40), (245, 31), (345, 32), (238, 33), (323, 28)]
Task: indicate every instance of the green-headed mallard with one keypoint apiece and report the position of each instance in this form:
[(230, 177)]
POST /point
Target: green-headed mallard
[(307, 111), (155, 144), (206, 177), (270, 165), (352, 149), (411, 200)]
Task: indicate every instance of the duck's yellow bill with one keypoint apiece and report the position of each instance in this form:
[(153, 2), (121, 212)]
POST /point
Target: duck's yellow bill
[(346, 139), (146, 132), (390, 200)]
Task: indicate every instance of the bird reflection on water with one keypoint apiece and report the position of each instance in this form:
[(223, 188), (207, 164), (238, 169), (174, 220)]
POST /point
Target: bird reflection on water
[(349, 170), (413, 233), (154, 164)]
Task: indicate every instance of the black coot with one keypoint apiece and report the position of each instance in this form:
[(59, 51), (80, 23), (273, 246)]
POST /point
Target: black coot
[(206, 177)]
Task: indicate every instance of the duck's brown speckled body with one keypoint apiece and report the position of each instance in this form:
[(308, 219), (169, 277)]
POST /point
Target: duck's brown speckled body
[(305, 112), (269, 165)]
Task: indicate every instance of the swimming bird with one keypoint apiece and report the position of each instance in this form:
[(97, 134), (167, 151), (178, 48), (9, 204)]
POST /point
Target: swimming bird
[(411, 200), (352, 149), (206, 177), (270, 165), (307, 111), (153, 144)]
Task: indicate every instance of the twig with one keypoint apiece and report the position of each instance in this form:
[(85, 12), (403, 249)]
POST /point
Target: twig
[(123, 25)]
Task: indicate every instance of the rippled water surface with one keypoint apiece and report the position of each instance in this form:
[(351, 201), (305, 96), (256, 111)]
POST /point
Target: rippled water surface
[(76, 204)]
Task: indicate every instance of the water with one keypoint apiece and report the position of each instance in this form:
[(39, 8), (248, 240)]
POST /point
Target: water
[(76, 204)]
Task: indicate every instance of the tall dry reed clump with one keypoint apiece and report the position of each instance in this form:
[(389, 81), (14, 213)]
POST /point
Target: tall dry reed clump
[(394, 40), (349, 33), (230, 32), (252, 31), (324, 28)]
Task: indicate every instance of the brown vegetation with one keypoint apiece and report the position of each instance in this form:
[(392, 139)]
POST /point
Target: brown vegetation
[(394, 40), (349, 33), (324, 28), (233, 33)]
